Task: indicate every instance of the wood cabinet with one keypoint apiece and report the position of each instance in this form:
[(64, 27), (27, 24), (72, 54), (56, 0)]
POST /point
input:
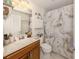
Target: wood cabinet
[(31, 51)]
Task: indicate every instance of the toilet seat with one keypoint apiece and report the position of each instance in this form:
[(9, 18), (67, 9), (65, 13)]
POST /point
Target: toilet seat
[(46, 48)]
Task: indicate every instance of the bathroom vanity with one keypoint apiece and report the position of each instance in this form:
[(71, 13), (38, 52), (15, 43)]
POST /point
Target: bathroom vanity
[(23, 49)]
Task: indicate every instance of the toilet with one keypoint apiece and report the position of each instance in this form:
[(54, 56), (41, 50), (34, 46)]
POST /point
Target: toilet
[(46, 48)]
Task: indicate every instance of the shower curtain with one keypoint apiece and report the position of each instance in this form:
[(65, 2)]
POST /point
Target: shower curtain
[(59, 30)]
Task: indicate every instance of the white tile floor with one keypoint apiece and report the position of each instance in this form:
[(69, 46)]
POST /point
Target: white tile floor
[(52, 56)]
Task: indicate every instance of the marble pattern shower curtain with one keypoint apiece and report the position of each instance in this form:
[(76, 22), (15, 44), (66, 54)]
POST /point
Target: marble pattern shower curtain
[(59, 29)]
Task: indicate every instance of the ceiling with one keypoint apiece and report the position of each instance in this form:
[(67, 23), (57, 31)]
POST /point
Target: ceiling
[(50, 4), (26, 5)]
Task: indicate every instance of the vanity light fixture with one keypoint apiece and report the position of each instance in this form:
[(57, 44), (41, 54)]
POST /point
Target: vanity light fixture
[(22, 4)]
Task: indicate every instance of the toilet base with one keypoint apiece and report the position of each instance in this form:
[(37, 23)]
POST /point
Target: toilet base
[(47, 56)]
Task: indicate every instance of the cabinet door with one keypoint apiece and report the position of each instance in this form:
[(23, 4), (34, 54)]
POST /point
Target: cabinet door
[(36, 53), (24, 56)]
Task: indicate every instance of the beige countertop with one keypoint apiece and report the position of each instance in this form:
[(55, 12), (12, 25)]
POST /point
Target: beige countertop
[(8, 49)]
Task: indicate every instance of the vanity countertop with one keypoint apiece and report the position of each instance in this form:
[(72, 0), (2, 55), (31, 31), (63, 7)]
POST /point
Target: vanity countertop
[(8, 49)]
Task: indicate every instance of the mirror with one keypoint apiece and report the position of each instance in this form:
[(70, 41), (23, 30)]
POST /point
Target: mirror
[(17, 23)]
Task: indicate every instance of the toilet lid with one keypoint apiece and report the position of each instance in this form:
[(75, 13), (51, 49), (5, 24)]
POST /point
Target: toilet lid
[(46, 46)]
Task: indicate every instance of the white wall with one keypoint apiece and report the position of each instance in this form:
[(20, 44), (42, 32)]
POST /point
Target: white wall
[(13, 23)]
